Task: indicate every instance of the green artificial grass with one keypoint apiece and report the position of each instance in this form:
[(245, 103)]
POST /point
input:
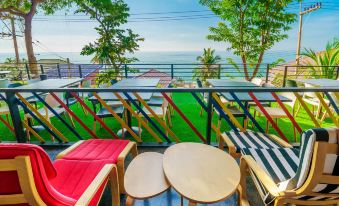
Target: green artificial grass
[(186, 103)]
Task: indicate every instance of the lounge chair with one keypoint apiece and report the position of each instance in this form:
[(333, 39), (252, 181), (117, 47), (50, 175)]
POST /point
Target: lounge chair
[(311, 179), (111, 151), (235, 141), (28, 177)]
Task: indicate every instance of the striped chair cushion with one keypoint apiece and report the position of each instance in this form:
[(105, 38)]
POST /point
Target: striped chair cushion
[(308, 139), (289, 174), (281, 164), (255, 140)]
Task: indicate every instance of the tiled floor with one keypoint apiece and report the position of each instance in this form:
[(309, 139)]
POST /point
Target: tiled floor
[(169, 198)]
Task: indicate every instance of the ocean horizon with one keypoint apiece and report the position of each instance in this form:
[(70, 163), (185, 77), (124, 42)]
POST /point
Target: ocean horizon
[(153, 57)]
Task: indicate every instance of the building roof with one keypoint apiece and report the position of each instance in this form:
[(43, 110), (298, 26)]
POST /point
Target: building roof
[(72, 71), (165, 79)]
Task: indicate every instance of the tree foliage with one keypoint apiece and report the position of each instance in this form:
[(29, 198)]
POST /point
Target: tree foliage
[(209, 68), (26, 9), (324, 64), (114, 42), (250, 27)]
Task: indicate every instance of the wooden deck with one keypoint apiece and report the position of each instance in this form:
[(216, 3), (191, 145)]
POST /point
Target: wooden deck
[(169, 198)]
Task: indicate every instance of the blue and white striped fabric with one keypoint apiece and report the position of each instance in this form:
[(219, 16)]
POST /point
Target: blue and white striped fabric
[(280, 163), (254, 140), (290, 171)]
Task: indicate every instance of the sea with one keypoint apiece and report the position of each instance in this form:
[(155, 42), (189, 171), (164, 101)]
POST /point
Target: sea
[(153, 60), (155, 57)]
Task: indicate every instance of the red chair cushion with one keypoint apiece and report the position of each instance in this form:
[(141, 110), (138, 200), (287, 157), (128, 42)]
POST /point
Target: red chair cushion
[(74, 177), (42, 168), (98, 149)]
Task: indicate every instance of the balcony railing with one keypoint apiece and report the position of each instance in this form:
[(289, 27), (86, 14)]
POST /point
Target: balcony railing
[(181, 114), (277, 74)]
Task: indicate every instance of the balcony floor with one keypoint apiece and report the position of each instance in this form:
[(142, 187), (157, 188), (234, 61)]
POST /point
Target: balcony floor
[(169, 198)]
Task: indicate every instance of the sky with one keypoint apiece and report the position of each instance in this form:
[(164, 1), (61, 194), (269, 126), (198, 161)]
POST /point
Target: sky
[(171, 25)]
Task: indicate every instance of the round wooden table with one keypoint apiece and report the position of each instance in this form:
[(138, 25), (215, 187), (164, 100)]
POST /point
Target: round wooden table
[(201, 173), (144, 177)]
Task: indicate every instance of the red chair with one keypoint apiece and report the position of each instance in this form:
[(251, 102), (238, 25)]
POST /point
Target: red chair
[(28, 177), (112, 151)]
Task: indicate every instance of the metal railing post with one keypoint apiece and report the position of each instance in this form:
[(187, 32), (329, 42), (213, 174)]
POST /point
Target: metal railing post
[(172, 71), (42, 69), (285, 76), (126, 71), (80, 71), (58, 68), (27, 70), (337, 76), (219, 71), (15, 115), (209, 118), (267, 72)]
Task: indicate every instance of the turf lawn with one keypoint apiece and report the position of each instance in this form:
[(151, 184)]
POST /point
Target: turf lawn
[(187, 105)]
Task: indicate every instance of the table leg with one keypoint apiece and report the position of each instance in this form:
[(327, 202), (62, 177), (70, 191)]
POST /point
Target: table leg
[(125, 133), (181, 200), (192, 203), (246, 117), (129, 116), (129, 201)]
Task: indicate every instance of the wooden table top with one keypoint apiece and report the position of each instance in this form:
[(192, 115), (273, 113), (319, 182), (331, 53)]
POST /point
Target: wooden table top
[(261, 96), (109, 96), (201, 173), (144, 177), (230, 83), (149, 82), (48, 84), (51, 83)]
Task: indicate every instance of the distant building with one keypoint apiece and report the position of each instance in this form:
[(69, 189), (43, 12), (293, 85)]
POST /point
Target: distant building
[(165, 79), (56, 68), (47, 63), (277, 73)]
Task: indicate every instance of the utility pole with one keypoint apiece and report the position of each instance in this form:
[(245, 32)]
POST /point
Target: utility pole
[(307, 10), (12, 33)]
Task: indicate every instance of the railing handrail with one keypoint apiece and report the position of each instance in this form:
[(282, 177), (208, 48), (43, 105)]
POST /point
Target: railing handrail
[(199, 90), (167, 64)]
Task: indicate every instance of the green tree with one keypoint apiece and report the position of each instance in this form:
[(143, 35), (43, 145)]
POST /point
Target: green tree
[(250, 27), (114, 42), (328, 58), (209, 68), (26, 9)]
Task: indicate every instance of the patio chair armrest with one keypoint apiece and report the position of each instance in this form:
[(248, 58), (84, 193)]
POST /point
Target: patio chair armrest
[(92, 189), (69, 149), (131, 147), (247, 161), (231, 147), (280, 141)]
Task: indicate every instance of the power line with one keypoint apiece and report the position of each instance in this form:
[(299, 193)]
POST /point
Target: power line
[(42, 46), (146, 13), (9, 30), (140, 18), (151, 19)]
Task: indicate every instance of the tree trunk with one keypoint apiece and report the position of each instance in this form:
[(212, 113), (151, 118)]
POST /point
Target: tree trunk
[(33, 67), (244, 63), (15, 43), (258, 65)]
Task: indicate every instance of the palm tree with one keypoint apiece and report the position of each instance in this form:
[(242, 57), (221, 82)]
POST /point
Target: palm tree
[(209, 68), (324, 63)]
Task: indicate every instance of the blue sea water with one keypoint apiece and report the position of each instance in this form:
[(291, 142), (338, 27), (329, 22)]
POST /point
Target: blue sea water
[(172, 57), (180, 71)]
